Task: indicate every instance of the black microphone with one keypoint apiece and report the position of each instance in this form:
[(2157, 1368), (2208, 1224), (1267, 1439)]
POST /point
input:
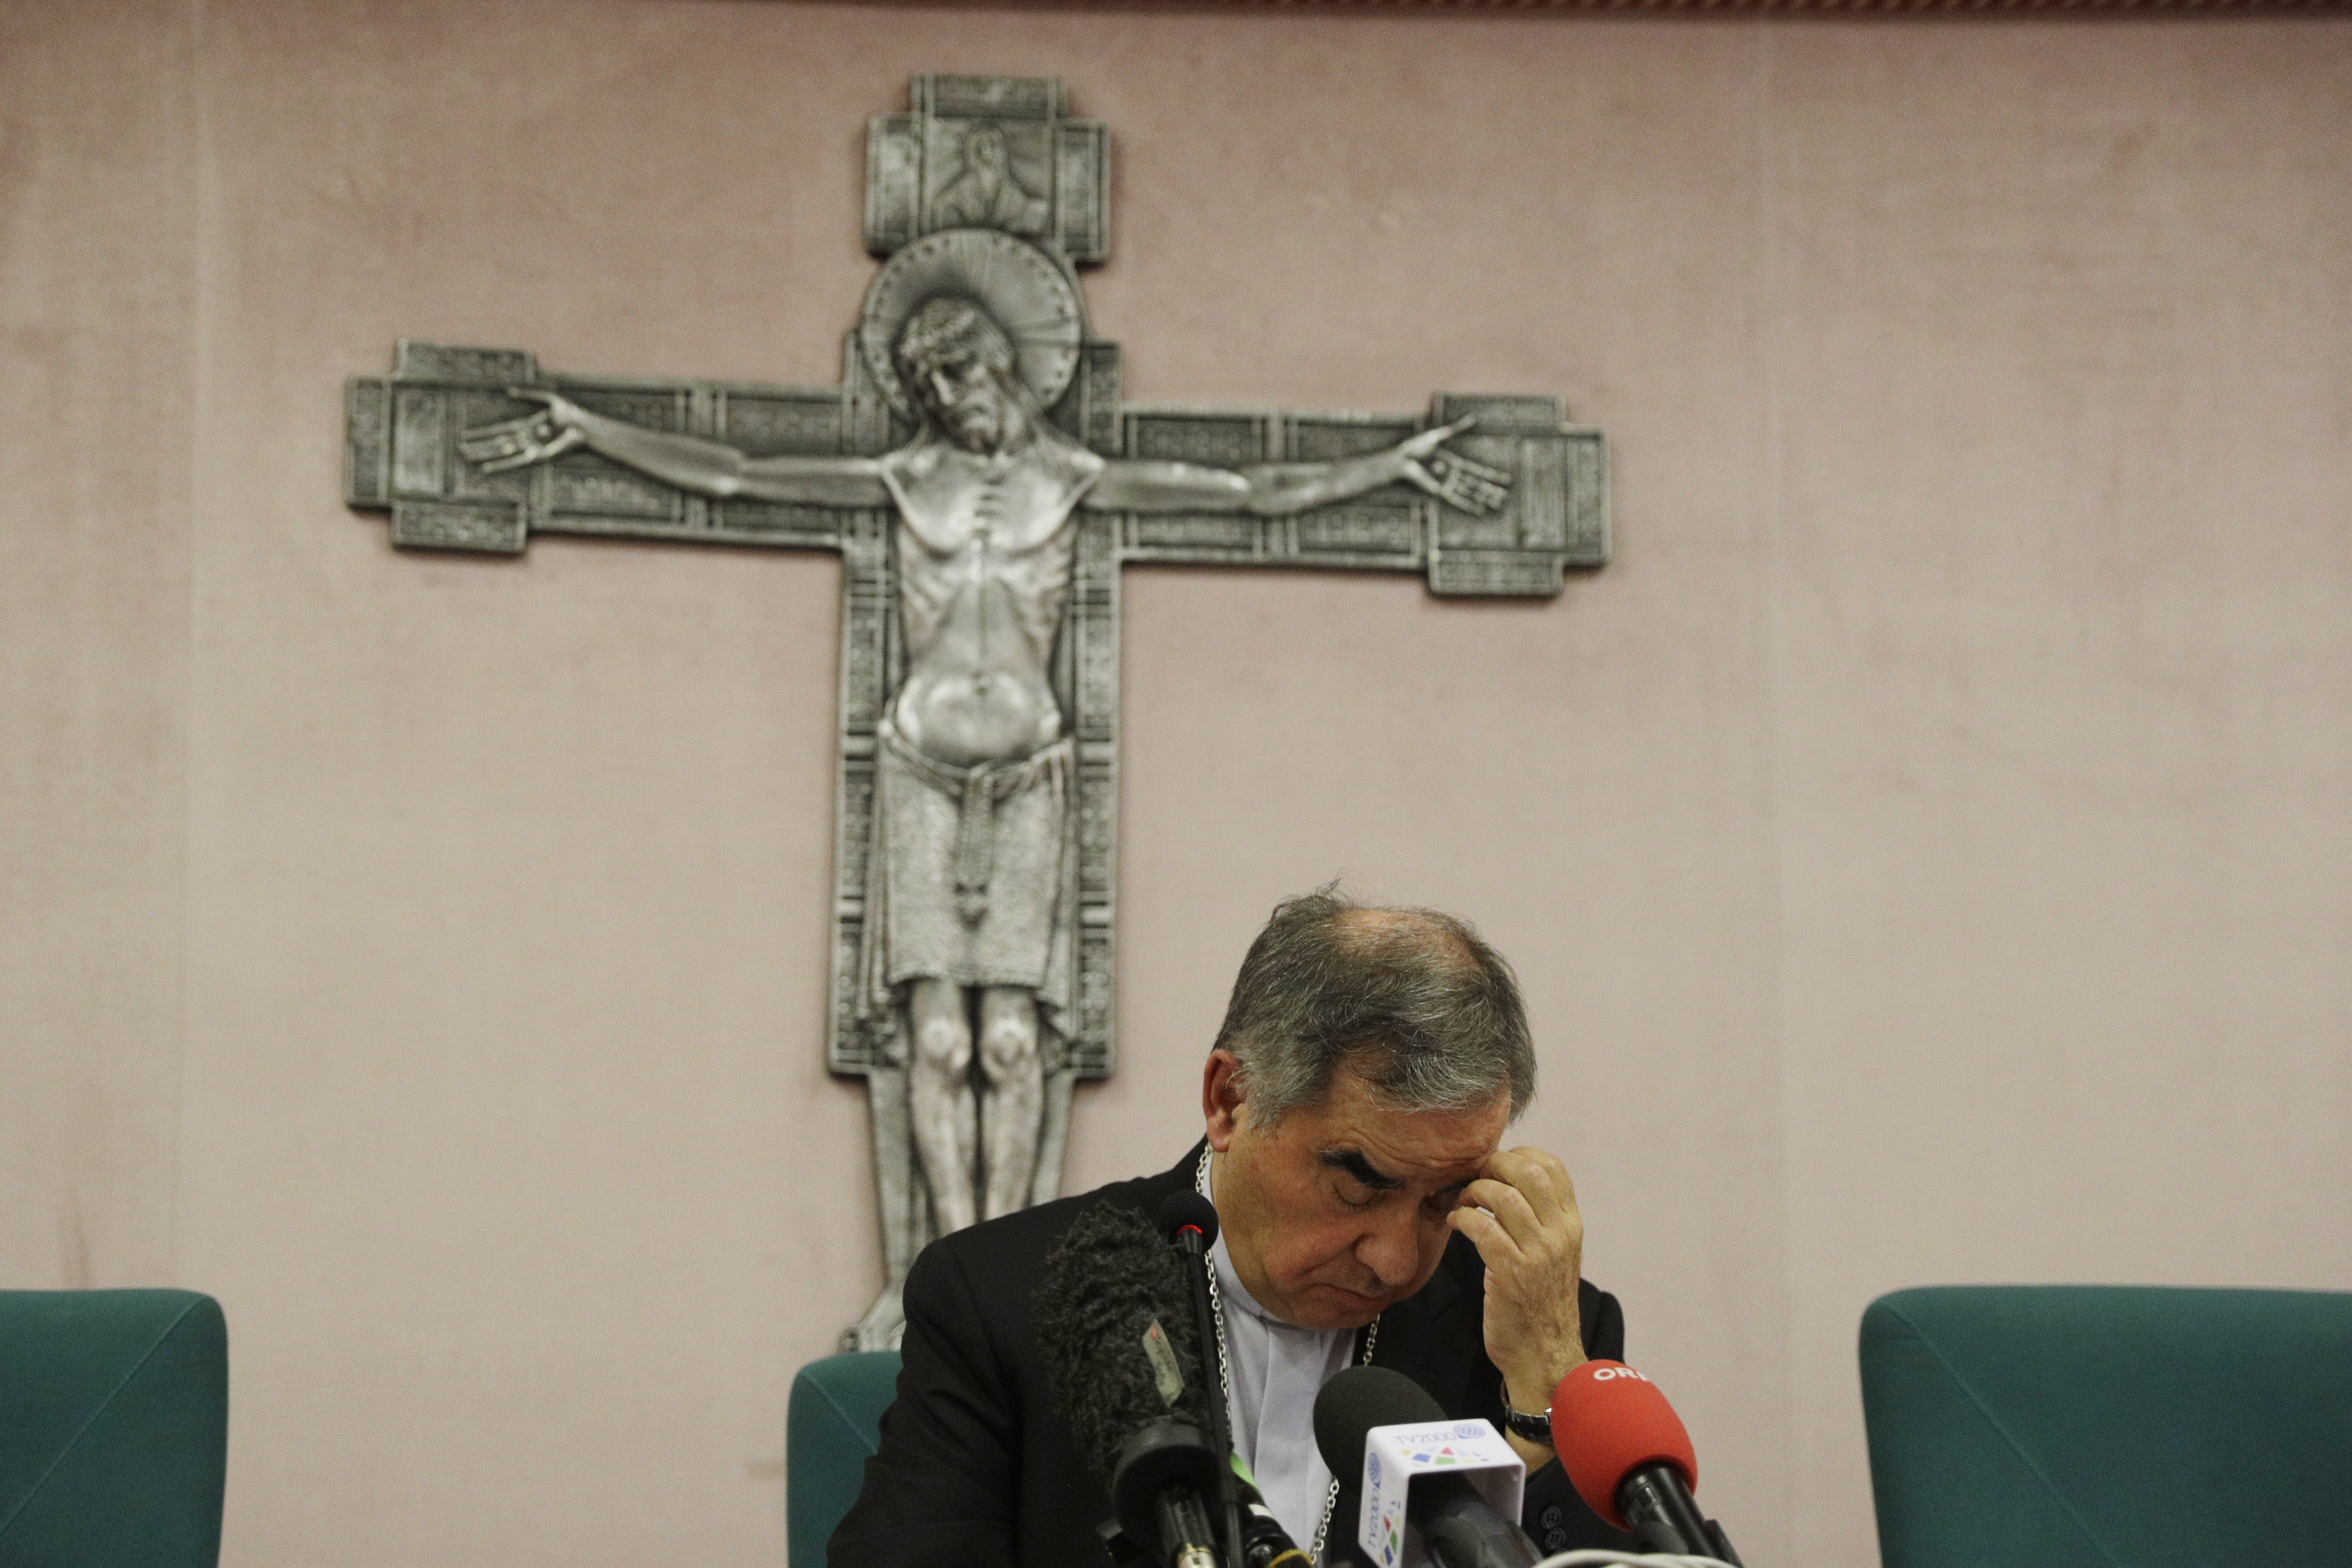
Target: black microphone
[(1461, 1528), (1189, 1222), (1123, 1355), (1186, 1210)]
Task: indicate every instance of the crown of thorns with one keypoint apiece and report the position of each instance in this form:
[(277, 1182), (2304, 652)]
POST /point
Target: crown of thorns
[(946, 326)]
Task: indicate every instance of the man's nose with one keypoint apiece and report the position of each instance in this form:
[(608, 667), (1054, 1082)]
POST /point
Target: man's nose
[(1392, 1247)]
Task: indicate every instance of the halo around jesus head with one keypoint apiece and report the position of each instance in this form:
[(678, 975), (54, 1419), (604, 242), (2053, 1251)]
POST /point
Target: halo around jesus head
[(1024, 291)]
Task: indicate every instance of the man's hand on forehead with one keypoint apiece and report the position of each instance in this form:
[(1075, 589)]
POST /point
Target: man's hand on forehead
[(1520, 1213)]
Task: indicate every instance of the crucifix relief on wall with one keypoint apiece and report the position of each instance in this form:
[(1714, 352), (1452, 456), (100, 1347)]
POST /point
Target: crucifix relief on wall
[(983, 484)]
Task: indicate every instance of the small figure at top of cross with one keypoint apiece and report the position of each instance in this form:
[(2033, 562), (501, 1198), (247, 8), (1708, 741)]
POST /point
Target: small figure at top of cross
[(985, 192), (973, 984)]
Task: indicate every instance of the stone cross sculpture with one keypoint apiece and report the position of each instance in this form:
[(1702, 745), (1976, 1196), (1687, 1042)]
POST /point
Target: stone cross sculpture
[(983, 484)]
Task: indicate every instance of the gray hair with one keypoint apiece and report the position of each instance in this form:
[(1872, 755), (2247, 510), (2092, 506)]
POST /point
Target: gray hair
[(1412, 1000)]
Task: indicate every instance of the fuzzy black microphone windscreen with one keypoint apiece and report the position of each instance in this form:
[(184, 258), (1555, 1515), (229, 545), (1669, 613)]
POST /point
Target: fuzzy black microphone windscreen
[(1104, 1283)]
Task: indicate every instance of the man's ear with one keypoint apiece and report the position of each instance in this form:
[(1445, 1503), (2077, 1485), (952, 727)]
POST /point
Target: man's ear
[(1221, 1098)]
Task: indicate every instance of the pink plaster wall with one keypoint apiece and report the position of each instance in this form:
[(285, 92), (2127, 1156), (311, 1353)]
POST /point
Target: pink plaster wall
[(1924, 847)]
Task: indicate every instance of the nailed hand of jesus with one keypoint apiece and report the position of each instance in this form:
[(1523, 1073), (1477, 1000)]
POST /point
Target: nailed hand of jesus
[(1521, 1216), (533, 439), (1457, 481)]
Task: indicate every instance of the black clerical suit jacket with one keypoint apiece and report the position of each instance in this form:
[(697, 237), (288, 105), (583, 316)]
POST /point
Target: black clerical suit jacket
[(976, 1470)]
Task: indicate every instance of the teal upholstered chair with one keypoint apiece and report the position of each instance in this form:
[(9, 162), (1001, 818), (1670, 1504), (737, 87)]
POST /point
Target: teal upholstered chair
[(113, 1429), (837, 1405), (2083, 1426)]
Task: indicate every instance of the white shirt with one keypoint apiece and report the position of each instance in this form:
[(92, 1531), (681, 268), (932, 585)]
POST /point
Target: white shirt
[(1277, 1369)]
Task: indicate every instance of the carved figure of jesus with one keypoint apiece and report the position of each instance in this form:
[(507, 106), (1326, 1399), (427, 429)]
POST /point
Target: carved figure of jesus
[(974, 759)]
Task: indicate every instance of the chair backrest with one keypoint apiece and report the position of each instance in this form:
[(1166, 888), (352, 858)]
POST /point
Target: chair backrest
[(2109, 1426), (836, 1409), (113, 1428)]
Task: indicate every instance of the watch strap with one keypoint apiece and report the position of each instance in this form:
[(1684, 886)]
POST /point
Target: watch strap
[(1533, 1428)]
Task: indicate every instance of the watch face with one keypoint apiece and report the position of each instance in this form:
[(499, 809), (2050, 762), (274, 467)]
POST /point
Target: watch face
[(1025, 291)]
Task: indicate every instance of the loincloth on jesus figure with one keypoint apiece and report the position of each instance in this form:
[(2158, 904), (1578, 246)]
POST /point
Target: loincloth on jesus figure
[(968, 876)]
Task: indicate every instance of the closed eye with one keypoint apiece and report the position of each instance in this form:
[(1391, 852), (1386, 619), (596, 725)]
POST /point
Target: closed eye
[(1351, 1163), (1358, 1184)]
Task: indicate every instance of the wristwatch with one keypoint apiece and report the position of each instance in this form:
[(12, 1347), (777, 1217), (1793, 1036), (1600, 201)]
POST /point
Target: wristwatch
[(1536, 1429)]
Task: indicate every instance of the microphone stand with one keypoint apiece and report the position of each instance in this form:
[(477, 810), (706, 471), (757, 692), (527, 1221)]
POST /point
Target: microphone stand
[(1204, 1318)]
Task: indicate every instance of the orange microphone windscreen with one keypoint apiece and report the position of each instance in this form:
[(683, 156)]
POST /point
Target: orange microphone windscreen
[(1608, 1421)]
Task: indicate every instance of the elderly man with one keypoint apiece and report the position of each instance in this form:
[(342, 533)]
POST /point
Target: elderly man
[(1356, 1100)]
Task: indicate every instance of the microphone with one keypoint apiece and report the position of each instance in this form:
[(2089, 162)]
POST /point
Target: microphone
[(1124, 1359), (1629, 1459), (1459, 1527), (1190, 1221), (1186, 1210)]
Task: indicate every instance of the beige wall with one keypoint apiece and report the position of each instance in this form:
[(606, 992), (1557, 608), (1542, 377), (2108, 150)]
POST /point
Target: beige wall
[(1924, 847)]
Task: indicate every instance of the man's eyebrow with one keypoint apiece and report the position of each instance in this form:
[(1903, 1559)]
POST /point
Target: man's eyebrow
[(1352, 1160)]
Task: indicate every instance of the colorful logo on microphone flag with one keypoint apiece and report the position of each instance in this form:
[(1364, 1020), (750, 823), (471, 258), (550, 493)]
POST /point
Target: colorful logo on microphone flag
[(1394, 1455)]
